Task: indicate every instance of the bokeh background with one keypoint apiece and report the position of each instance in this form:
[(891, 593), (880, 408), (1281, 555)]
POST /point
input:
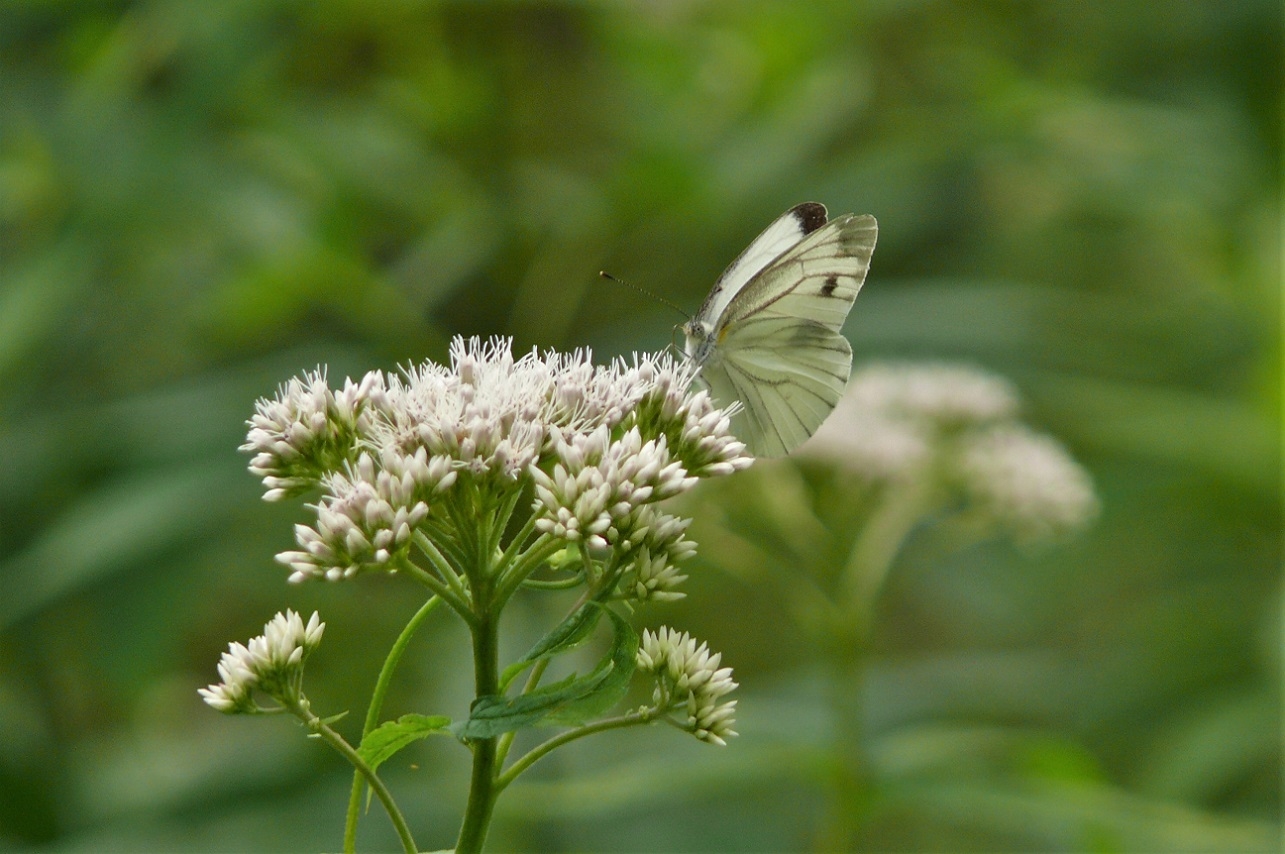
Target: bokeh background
[(200, 200)]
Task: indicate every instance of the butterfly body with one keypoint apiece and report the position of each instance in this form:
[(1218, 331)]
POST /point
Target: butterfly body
[(768, 333)]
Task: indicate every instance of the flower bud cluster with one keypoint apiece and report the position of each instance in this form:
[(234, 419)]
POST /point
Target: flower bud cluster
[(699, 432), (603, 492), (484, 413), (585, 396), (939, 392), (653, 577), (272, 662), (689, 680), (367, 514), (958, 427), (657, 530), (306, 430), (597, 484)]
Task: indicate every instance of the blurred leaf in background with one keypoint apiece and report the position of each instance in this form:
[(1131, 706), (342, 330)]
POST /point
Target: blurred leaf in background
[(199, 200)]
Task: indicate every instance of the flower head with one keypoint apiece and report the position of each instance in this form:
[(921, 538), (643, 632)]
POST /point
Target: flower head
[(1027, 482), (690, 681), (653, 577), (889, 419), (956, 427), (306, 430), (272, 663), (939, 392)]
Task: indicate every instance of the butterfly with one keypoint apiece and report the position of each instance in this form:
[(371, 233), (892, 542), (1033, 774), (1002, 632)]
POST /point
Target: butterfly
[(768, 333)]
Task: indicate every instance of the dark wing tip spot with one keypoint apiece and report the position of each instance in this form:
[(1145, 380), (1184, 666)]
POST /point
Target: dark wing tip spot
[(830, 284), (811, 216)]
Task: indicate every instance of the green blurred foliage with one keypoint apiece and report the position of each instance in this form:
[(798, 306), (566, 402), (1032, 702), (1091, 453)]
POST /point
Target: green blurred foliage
[(199, 200)]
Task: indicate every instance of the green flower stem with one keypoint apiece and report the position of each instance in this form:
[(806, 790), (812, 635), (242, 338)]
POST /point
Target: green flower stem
[(508, 503), (375, 709), (482, 788), (442, 537), (561, 584), (869, 562), (516, 548), (601, 589), (495, 519), (590, 568), (434, 543), (440, 590), (486, 682), (850, 790), (876, 548), (442, 565), (599, 584), (538, 752), (465, 509), (335, 740), (544, 547)]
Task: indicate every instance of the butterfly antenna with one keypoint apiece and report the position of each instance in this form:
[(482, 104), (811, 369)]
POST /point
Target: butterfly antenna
[(644, 292)]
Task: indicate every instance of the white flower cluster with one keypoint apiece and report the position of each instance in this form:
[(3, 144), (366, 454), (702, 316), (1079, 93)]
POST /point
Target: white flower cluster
[(1027, 479), (600, 444), (940, 392), (367, 514), (305, 431), (688, 679), (654, 578), (957, 425), (699, 432), (597, 484), (892, 416), (271, 662)]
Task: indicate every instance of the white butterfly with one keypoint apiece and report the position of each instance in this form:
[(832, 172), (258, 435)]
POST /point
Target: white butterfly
[(768, 333)]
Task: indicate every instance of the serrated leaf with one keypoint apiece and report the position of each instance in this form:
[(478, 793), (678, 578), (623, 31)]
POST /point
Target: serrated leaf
[(567, 635), (568, 701), (609, 692), (388, 738), (495, 714)]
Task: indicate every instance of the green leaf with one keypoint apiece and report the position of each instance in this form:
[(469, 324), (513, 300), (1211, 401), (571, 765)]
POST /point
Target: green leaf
[(566, 702), (388, 738), (610, 691), (567, 635), (334, 719), (495, 714)]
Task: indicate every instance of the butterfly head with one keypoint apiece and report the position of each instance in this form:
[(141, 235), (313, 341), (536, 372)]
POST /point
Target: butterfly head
[(701, 340)]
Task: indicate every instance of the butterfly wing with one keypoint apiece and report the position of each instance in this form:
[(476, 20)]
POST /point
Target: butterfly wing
[(788, 375), (817, 279), (779, 350), (785, 232)]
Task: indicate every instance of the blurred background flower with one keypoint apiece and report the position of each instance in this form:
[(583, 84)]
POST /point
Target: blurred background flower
[(200, 200)]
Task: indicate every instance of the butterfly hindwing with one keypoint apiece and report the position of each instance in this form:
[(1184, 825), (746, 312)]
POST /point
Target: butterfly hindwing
[(788, 375)]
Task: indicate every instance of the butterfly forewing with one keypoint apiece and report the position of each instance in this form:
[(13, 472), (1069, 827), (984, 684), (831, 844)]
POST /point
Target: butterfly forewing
[(817, 279), (785, 232)]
